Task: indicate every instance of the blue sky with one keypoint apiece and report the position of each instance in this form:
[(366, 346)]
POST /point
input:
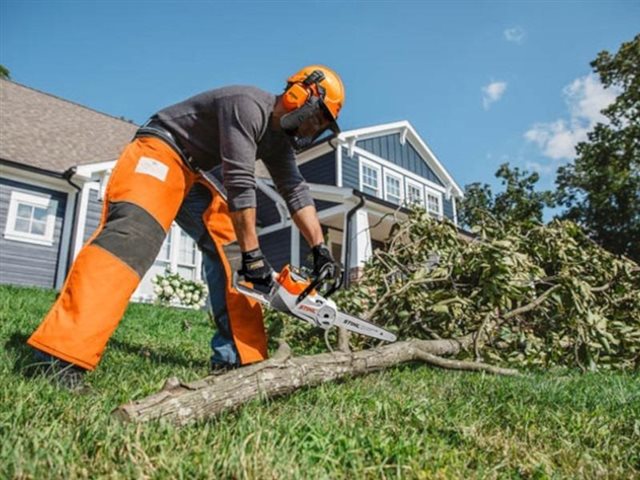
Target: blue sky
[(482, 82)]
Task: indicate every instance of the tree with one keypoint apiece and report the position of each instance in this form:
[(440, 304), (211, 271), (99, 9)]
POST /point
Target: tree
[(518, 203), (601, 189), (4, 73)]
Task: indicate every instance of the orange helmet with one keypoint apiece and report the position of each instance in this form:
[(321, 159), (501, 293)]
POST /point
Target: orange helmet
[(313, 88), (329, 87)]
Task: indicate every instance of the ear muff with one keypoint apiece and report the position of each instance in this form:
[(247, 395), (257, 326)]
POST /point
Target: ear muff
[(295, 96)]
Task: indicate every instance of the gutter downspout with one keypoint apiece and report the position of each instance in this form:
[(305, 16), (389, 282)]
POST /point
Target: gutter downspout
[(67, 175), (347, 251)]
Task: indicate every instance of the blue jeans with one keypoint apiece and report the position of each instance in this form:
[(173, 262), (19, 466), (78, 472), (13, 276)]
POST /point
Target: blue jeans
[(190, 220)]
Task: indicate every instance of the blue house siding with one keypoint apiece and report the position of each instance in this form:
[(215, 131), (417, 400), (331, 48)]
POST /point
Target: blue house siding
[(405, 156), (350, 170), (267, 212), (277, 247), (25, 263), (321, 169), (447, 208)]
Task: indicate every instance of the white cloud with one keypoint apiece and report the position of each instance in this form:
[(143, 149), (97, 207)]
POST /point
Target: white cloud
[(492, 93), (515, 35), (585, 98)]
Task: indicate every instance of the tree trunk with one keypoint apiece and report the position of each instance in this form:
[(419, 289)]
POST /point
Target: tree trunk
[(181, 403)]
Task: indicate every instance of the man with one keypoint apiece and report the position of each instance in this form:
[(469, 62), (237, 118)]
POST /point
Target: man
[(164, 175)]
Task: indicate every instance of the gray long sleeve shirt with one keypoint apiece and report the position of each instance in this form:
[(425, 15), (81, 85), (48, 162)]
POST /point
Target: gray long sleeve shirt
[(231, 126)]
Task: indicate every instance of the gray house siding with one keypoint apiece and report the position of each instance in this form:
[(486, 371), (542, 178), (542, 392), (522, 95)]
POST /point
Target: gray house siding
[(277, 247), (94, 213), (405, 156), (25, 263), (320, 170)]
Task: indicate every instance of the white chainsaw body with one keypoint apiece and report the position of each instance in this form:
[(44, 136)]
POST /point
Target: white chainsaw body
[(313, 308)]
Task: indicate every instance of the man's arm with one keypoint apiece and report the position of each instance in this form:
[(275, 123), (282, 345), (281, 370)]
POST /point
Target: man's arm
[(244, 224), (306, 219)]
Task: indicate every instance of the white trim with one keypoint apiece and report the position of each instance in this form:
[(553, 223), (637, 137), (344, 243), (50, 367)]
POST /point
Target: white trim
[(373, 166), (397, 169), (175, 247), (314, 152), (90, 169), (455, 211), (339, 166), (403, 136), (351, 144), (276, 227), (103, 181), (34, 200), (65, 245), (335, 210), (330, 193), (387, 173)]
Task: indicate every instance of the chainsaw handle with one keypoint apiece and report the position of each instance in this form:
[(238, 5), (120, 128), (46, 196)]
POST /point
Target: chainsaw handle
[(336, 283)]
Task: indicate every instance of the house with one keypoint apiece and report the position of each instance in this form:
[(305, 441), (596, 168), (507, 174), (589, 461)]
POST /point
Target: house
[(362, 181), (56, 157)]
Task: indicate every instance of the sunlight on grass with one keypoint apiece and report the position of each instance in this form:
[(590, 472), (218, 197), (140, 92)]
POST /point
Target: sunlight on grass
[(409, 422)]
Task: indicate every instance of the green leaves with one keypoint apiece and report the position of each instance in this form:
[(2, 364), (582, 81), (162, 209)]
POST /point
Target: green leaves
[(543, 295)]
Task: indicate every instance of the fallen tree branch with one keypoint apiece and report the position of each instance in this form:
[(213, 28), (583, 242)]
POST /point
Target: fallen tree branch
[(181, 403)]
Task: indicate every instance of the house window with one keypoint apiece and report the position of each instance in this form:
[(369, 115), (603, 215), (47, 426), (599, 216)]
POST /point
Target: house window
[(392, 188), (187, 256), (370, 178), (415, 194), (434, 202), (31, 218)]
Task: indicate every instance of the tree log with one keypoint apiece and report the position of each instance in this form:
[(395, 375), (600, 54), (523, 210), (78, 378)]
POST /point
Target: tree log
[(181, 403)]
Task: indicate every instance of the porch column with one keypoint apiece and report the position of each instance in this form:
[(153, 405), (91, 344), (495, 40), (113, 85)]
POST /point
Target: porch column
[(295, 245), (360, 243)]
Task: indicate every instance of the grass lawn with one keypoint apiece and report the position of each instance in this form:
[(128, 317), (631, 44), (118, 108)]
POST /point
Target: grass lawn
[(409, 422)]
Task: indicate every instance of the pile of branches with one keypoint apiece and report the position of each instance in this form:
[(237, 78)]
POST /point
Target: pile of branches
[(515, 295), (530, 295)]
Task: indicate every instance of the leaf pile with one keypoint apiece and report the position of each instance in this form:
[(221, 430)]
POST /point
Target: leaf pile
[(533, 296)]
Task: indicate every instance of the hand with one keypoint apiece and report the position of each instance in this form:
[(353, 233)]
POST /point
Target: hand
[(324, 261), (256, 269)]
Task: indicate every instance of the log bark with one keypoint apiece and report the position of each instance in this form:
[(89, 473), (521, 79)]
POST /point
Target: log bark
[(181, 403)]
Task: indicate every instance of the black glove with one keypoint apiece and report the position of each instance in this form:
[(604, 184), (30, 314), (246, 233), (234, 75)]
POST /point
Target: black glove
[(323, 261), (256, 269)]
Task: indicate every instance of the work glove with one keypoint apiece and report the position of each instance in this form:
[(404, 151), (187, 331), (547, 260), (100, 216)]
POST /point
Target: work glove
[(257, 270), (323, 260)]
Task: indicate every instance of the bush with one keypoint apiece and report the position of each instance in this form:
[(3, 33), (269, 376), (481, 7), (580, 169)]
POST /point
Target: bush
[(172, 289)]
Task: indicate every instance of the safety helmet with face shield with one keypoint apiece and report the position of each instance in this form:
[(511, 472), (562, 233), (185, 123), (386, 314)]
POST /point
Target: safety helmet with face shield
[(312, 99)]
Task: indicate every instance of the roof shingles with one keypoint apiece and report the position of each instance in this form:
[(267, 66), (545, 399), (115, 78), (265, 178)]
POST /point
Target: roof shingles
[(46, 132)]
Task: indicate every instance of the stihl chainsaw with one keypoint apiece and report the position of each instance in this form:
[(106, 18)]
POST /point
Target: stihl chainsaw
[(307, 299)]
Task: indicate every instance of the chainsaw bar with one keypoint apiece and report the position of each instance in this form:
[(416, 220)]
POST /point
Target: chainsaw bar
[(313, 308), (357, 325)]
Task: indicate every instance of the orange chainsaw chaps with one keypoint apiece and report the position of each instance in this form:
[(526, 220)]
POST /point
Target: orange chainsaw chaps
[(100, 283), (88, 310), (245, 314)]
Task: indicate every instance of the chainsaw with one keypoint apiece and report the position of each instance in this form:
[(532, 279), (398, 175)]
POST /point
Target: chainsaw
[(307, 299)]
